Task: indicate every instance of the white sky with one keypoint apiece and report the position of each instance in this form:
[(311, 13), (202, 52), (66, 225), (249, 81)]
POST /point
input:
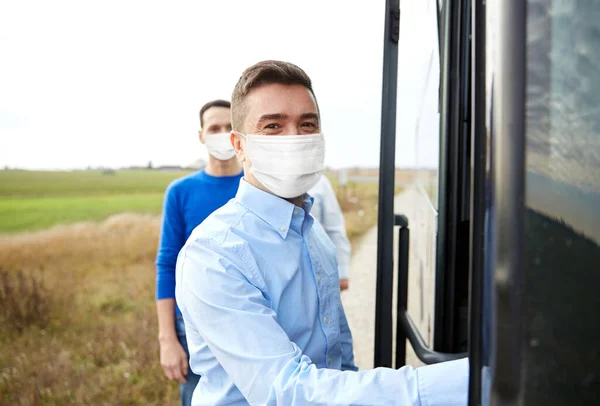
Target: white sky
[(118, 83)]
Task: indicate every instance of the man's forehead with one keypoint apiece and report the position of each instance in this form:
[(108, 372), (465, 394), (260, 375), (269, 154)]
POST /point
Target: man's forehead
[(217, 113), (280, 99)]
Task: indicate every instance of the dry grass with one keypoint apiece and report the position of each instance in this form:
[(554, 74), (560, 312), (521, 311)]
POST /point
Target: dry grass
[(77, 310), (78, 317), (359, 204)]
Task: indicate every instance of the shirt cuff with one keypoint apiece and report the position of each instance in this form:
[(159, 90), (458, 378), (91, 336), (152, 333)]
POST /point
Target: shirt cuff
[(343, 271), (165, 286), (446, 383)]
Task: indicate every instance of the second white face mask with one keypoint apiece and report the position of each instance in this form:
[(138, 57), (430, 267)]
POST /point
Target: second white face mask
[(219, 146), (287, 165)]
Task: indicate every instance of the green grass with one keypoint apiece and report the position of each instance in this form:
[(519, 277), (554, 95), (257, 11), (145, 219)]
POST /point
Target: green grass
[(20, 214), (33, 200), (20, 183)]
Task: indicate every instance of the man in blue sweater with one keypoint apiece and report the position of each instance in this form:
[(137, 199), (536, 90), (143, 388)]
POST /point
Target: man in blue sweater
[(188, 201)]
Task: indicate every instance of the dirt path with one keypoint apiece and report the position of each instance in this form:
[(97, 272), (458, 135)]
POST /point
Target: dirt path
[(359, 300)]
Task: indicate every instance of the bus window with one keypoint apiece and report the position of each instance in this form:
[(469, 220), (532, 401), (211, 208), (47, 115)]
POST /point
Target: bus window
[(562, 221), (427, 128), (433, 99), (418, 118)]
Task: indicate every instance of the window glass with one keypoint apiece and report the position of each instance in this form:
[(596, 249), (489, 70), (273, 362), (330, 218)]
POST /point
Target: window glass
[(428, 131), (562, 253)]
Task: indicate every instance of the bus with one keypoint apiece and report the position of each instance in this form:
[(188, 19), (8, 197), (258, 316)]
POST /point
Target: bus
[(498, 256)]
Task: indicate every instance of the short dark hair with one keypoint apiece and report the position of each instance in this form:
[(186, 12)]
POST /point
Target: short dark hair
[(264, 73), (214, 103)]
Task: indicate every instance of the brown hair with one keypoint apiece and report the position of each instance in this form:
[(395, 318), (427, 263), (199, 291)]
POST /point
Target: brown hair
[(264, 73), (214, 103)]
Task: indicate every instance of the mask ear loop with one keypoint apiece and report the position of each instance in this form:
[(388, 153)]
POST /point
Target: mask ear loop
[(240, 134), (243, 136)]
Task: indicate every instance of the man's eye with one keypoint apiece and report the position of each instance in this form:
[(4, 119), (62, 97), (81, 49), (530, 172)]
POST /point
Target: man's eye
[(313, 125), (272, 126)]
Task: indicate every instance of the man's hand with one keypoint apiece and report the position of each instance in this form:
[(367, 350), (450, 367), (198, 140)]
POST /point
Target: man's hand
[(343, 284), (173, 360)]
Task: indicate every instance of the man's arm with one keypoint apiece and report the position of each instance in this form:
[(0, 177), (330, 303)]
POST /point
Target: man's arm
[(335, 227), (233, 316), (173, 358), (346, 340), (172, 355)]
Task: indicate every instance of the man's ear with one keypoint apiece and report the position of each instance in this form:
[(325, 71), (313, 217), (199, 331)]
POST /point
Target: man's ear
[(200, 136), (236, 142)]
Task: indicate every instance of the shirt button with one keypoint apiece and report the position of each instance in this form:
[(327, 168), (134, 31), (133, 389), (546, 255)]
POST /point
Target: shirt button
[(296, 211), (329, 360), (318, 278), (326, 319), (282, 229)]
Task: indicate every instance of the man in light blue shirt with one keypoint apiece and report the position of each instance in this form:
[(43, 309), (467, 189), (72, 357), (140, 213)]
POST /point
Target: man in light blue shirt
[(327, 211), (257, 281)]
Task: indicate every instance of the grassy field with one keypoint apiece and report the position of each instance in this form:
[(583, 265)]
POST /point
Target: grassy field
[(77, 311), (33, 200)]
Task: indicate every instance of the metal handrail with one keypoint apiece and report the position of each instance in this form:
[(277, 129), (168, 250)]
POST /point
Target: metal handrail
[(405, 327)]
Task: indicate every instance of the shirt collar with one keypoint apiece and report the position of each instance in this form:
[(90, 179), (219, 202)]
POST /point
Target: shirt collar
[(274, 210)]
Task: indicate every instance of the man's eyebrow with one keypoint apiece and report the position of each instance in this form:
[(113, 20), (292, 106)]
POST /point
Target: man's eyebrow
[(280, 116), (275, 116), (310, 115)]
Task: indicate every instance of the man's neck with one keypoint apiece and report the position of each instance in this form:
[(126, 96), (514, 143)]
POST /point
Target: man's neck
[(296, 201), (220, 168)]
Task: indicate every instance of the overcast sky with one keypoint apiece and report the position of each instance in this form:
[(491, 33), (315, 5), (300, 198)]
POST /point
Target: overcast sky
[(118, 83)]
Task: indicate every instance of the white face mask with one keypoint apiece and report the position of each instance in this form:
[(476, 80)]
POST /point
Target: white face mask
[(287, 165), (219, 146)]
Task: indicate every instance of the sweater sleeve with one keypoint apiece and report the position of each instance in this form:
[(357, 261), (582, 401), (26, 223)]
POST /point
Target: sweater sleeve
[(172, 239)]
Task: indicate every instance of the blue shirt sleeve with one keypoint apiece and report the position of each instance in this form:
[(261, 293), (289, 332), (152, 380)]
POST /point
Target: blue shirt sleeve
[(334, 225), (228, 308), (172, 239), (346, 341), (446, 383)]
